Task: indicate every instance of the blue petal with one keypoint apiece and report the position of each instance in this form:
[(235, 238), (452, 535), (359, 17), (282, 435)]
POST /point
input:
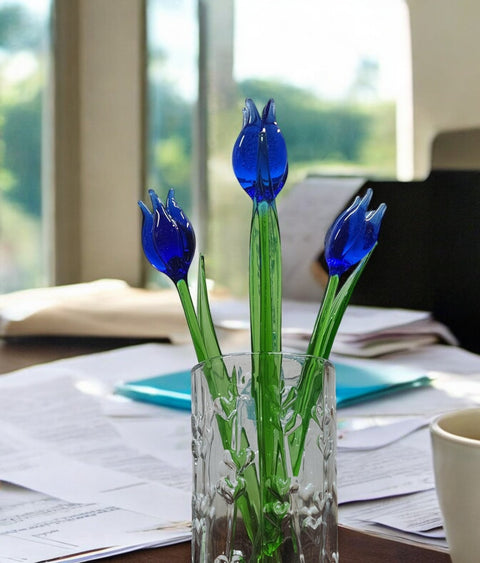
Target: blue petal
[(354, 225), (185, 227), (373, 223), (174, 210), (254, 167), (167, 237), (245, 149), (250, 114), (277, 149), (352, 235), (147, 239), (263, 188)]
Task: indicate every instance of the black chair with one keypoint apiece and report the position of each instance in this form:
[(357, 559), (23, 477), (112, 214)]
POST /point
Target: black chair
[(429, 252)]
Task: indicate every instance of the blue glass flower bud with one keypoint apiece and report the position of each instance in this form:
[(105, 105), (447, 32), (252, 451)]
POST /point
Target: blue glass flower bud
[(168, 238), (261, 171), (352, 235)]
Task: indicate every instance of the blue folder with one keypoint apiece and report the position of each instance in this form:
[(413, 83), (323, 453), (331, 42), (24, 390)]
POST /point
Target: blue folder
[(353, 384), (356, 384)]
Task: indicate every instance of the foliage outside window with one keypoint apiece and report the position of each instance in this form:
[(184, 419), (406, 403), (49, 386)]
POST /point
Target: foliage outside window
[(335, 100), (24, 38), (347, 131)]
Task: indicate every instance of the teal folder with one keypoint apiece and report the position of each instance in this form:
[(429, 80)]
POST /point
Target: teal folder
[(353, 384), (170, 390), (356, 384)]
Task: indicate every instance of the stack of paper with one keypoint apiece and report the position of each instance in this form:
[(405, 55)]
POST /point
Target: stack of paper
[(103, 308), (364, 331), (86, 481), (110, 308), (370, 332), (127, 484)]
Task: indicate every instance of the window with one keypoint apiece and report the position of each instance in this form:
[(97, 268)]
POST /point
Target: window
[(333, 69), (172, 76), (24, 68)]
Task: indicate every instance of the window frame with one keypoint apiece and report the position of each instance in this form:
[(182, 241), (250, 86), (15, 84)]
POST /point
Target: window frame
[(99, 137)]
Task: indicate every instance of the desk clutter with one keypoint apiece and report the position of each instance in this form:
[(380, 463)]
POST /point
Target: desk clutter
[(113, 309), (427, 258), (83, 495), (102, 308), (364, 331), (354, 384), (422, 262), (69, 491)]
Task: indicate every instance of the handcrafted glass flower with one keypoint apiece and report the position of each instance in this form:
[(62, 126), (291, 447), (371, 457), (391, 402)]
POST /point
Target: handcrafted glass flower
[(168, 238), (353, 235), (260, 164), (259, 155)]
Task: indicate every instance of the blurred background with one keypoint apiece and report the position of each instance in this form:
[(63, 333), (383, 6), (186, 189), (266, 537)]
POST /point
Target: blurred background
[(102, 99)]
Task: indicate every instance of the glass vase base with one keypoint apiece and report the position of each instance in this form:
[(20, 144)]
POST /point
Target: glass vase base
[(264, 460)]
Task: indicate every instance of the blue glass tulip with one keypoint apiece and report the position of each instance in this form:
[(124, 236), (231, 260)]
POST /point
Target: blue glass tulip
[(352, 235), (259, 154), (168, 238)]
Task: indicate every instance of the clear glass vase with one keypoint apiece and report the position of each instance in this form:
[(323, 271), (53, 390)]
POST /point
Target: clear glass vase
[(264, 459)]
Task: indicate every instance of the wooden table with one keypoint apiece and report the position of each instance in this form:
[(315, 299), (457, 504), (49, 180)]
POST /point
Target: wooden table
[(354, 546)]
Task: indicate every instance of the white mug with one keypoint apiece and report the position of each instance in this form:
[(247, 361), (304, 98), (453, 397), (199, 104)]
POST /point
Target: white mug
[(456, 459)]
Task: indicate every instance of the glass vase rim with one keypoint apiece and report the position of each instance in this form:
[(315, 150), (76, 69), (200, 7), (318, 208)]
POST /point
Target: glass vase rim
[(290, 355)]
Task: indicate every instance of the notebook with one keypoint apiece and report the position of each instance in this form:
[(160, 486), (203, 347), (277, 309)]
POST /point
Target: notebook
[(353, 384)]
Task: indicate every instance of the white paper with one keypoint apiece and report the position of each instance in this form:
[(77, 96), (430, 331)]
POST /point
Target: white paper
[(299, 317), (398, 469), (62, 411), (367, 320), (417, 513), (447, 391), (363, 332), (435, 359), (84, 458), (378, 435), (35, 527), (305, 213), (130, 489)]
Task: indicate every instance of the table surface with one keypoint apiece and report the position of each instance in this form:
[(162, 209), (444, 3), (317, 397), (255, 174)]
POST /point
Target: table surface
[(354, 546)]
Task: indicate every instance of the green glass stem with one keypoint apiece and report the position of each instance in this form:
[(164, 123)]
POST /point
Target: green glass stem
[(316, 346), (219, 384), (341, 302), (265, 325), (192, 321), (215, 381), (309, 387), (265, 278), (323, 335), (204, 315)]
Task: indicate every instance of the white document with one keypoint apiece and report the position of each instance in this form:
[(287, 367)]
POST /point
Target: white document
[(398, 469), (417, 513), (378, 435), (305, 213), (106, 451), (364, 331), (36, 527), (113, 493), (84, 458), (431, 359), (105, 308)]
